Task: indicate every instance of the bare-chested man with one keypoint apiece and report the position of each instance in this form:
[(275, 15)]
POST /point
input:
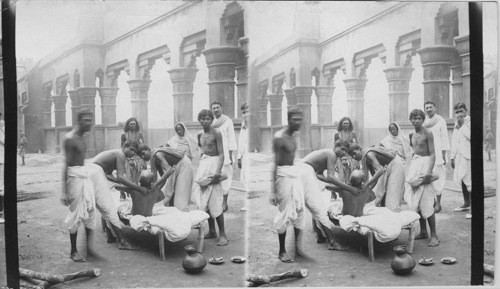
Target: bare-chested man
[(326, 160), (110, 161), (210, 197), (77, 189), (353, 204), (143, 204), (388, 171), (421, 193), (295, 188)]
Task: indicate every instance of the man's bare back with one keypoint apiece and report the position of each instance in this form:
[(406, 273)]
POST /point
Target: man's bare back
[(319, 159), (374, 160), (110, 160)]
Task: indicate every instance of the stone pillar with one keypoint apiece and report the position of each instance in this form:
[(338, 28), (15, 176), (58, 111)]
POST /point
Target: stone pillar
[(221, 63), (303, 97), (355, 88), (241, 86), (456, 79), (436, 61), (108, 104), (275, 101), (399, 82), (87, 101), (262, 111), (60, 109), (75, 105), (325, 96), (139, 97), (462, 43), (182, 80), (46, 112), (291, 100)]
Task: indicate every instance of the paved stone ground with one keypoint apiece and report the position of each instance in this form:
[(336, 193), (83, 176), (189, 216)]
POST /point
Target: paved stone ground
[(353, 268), (44, 243)]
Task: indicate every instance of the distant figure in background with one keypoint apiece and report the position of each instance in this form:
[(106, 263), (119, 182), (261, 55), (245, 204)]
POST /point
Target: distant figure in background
[(397, 142), (132, 131), (226, 127), (345, 132), (184, 141), (488, 143), (22, 148), (243, 145), (2, 152)]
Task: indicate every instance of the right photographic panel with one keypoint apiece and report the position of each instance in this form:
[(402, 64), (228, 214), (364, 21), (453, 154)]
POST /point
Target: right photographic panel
[(359, 164)]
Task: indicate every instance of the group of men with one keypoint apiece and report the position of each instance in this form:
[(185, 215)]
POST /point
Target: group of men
[(85, 187), (416, 185)]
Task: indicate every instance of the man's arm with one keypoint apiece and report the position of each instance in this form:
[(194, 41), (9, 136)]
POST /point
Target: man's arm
[(379, 171), (220, 151), (64, 179), (164, 177), (121, 176), (231, 139), (276, 149), (432, 154), (332, 159)]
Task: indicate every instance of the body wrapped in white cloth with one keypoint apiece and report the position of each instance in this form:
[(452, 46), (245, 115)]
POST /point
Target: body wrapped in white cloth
[(81, 199), (419, 198)]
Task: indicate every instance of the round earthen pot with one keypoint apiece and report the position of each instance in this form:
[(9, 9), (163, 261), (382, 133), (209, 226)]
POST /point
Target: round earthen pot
[(194, 262), (403, 263)]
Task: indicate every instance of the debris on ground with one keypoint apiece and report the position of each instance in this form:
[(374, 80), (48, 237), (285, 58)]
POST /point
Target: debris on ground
[(258, 280), (33, 279)]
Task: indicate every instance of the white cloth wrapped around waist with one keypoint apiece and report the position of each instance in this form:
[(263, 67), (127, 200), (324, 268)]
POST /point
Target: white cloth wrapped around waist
[(175, 223), (80, 197)]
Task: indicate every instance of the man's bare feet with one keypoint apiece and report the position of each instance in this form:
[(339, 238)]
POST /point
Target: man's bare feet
[(285, 258), (127, 246), (222, 241), (434, 242), (437, 207), (337, 246), (211, 235), (421, 236), (76, 257)]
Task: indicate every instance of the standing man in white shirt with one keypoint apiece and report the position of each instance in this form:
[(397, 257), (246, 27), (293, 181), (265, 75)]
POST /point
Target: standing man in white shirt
[(437, 125), (460, 155), (242, 145), (225, 125)]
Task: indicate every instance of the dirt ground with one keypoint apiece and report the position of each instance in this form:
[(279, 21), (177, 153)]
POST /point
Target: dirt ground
[(44, 242), (353, 268)]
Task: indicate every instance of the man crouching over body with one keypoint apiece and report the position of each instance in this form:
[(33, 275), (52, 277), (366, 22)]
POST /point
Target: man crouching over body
[(326, 160), (295, 187)]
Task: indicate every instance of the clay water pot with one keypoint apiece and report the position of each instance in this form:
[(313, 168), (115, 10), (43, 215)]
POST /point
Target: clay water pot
[(194, 262), (402, 263)]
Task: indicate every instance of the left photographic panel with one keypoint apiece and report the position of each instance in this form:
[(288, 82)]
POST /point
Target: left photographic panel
[(131, 132)]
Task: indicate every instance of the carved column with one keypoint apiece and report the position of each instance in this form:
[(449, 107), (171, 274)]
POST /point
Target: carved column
[(242, 74), (275, 101), (46, 112), (290, 98), (221, 63), (75, 105), (139, 97), (60, 109), (262, 103), (456, 78), (325, 96), (87, 101), (182, 80), (399, 82), (462, 43), (355, 88), (436, 61), (303, 97), (108, 104)]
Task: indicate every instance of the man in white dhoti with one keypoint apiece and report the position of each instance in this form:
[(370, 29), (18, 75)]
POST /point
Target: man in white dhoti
[(224, 124), (419, 191), (460, 155), (77, 188), (437, 125), (295, 188), (208, 194), (242, 145)]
